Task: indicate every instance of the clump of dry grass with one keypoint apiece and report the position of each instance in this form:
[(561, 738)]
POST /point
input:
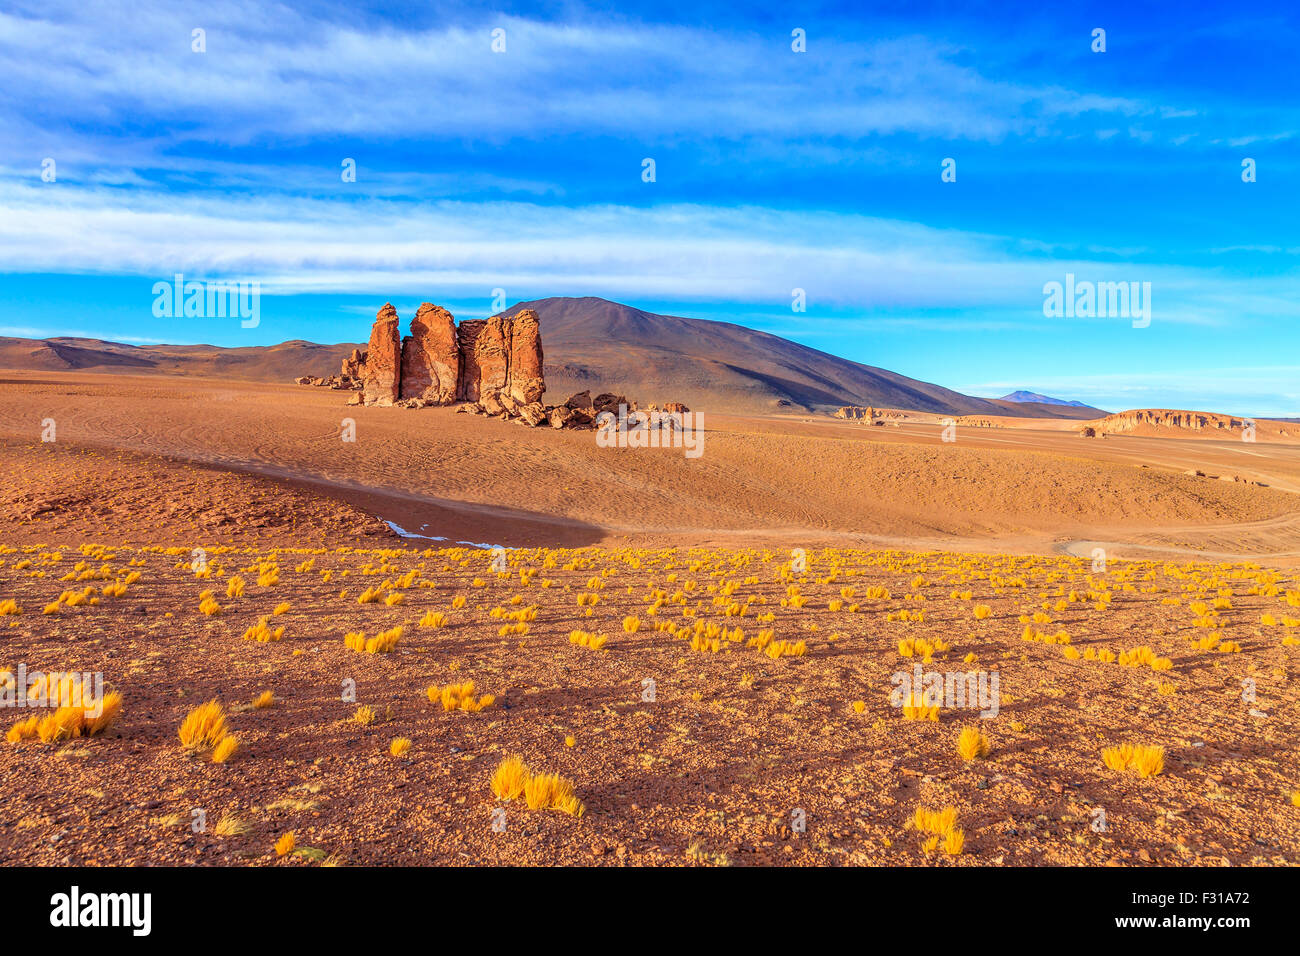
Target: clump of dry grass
[(941, 825), (1144, 760), (204, 728), (509, 778), (263, 633), (585, 639), (543, 791), (459, 697), (382, 643), (915, 708), (972, 744), (224, 750), (77, 711), (231, 825), (434, 619)]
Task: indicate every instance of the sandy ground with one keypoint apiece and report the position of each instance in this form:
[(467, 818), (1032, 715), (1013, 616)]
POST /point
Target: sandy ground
[(789, 482), (740, 757)]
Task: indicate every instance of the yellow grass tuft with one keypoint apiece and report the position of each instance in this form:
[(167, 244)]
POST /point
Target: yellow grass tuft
[(937, 822), (953, 842), (264, 700), (285, 844), (231, 825), (1144, 760), (263, 633), (915, 708), (459, 697), (382, 643), (509, 778), (399, 746), (972, 744), (204, 727), (224, 750)]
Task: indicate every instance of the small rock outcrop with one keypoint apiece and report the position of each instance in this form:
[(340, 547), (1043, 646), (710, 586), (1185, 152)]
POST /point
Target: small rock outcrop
[(856, 413), (350, 373)]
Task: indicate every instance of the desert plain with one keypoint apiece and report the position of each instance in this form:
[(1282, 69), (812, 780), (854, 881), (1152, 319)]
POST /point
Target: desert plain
[(703, 650)]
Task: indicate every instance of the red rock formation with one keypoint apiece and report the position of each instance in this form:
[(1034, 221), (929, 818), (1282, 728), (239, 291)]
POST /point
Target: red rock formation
[(1137, 419), (525, 383), (485, 361), (855, 413), (431, 357), (468, 333), (383, 359), (493, 366)]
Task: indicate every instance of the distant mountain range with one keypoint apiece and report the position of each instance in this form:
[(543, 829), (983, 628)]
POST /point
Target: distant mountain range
[(1037, 399), (595, 344)]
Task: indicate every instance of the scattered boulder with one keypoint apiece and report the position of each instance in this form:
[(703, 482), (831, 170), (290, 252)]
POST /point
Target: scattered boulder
[(560, 416), (608, 402), (533, 413)]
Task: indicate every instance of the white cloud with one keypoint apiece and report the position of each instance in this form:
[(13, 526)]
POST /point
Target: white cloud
[(271, 74), (684, 252)]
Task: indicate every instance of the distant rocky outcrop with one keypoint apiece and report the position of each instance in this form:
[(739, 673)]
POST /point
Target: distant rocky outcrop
[(488, 366), (1141, 419), (857, 413), (1184, 424)]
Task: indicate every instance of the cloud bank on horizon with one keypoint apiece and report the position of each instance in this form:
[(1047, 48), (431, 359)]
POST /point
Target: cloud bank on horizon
[(507, 150)]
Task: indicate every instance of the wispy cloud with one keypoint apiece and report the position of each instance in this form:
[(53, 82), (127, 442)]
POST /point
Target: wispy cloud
[(679, 252), (270, 73)]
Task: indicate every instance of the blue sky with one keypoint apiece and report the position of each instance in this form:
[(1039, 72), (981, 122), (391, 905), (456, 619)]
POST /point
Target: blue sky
[(775, 170)]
